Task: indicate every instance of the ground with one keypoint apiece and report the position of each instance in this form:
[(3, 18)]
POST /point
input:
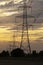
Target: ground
[(20, 61)]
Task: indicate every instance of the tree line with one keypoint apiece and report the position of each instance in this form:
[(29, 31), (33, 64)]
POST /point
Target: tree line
[(20, 53)]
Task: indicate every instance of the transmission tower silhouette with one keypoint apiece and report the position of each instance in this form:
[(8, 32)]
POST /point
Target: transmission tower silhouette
[(25, 24)]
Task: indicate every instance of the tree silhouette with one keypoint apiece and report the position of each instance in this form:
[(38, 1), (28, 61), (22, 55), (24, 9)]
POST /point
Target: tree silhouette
[(20, 53), (34, 54), (17, 53), (4, 54), (41, 53)]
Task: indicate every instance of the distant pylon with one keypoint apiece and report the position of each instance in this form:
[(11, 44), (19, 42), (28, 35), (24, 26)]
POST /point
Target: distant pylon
[(13, 45), (15, 35)]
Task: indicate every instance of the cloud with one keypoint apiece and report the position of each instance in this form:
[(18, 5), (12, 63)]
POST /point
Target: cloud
[(38, 13), (4, 0), (7, 5), (10, 3)]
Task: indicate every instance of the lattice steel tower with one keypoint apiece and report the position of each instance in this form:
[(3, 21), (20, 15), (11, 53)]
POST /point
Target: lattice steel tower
[(25, 25)]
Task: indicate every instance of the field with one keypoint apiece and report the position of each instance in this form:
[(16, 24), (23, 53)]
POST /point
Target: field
[(20, 61)]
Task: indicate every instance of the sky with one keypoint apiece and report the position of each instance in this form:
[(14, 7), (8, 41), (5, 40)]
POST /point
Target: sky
[(11, 26)]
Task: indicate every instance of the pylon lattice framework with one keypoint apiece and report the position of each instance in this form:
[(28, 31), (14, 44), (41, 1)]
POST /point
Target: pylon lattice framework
[(25, 24)]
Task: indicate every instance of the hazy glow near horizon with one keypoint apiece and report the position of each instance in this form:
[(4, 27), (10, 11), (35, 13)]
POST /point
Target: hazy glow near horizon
[(7, 35)]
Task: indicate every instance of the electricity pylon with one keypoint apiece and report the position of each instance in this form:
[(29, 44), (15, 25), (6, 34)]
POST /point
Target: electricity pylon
[(25, 24)]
